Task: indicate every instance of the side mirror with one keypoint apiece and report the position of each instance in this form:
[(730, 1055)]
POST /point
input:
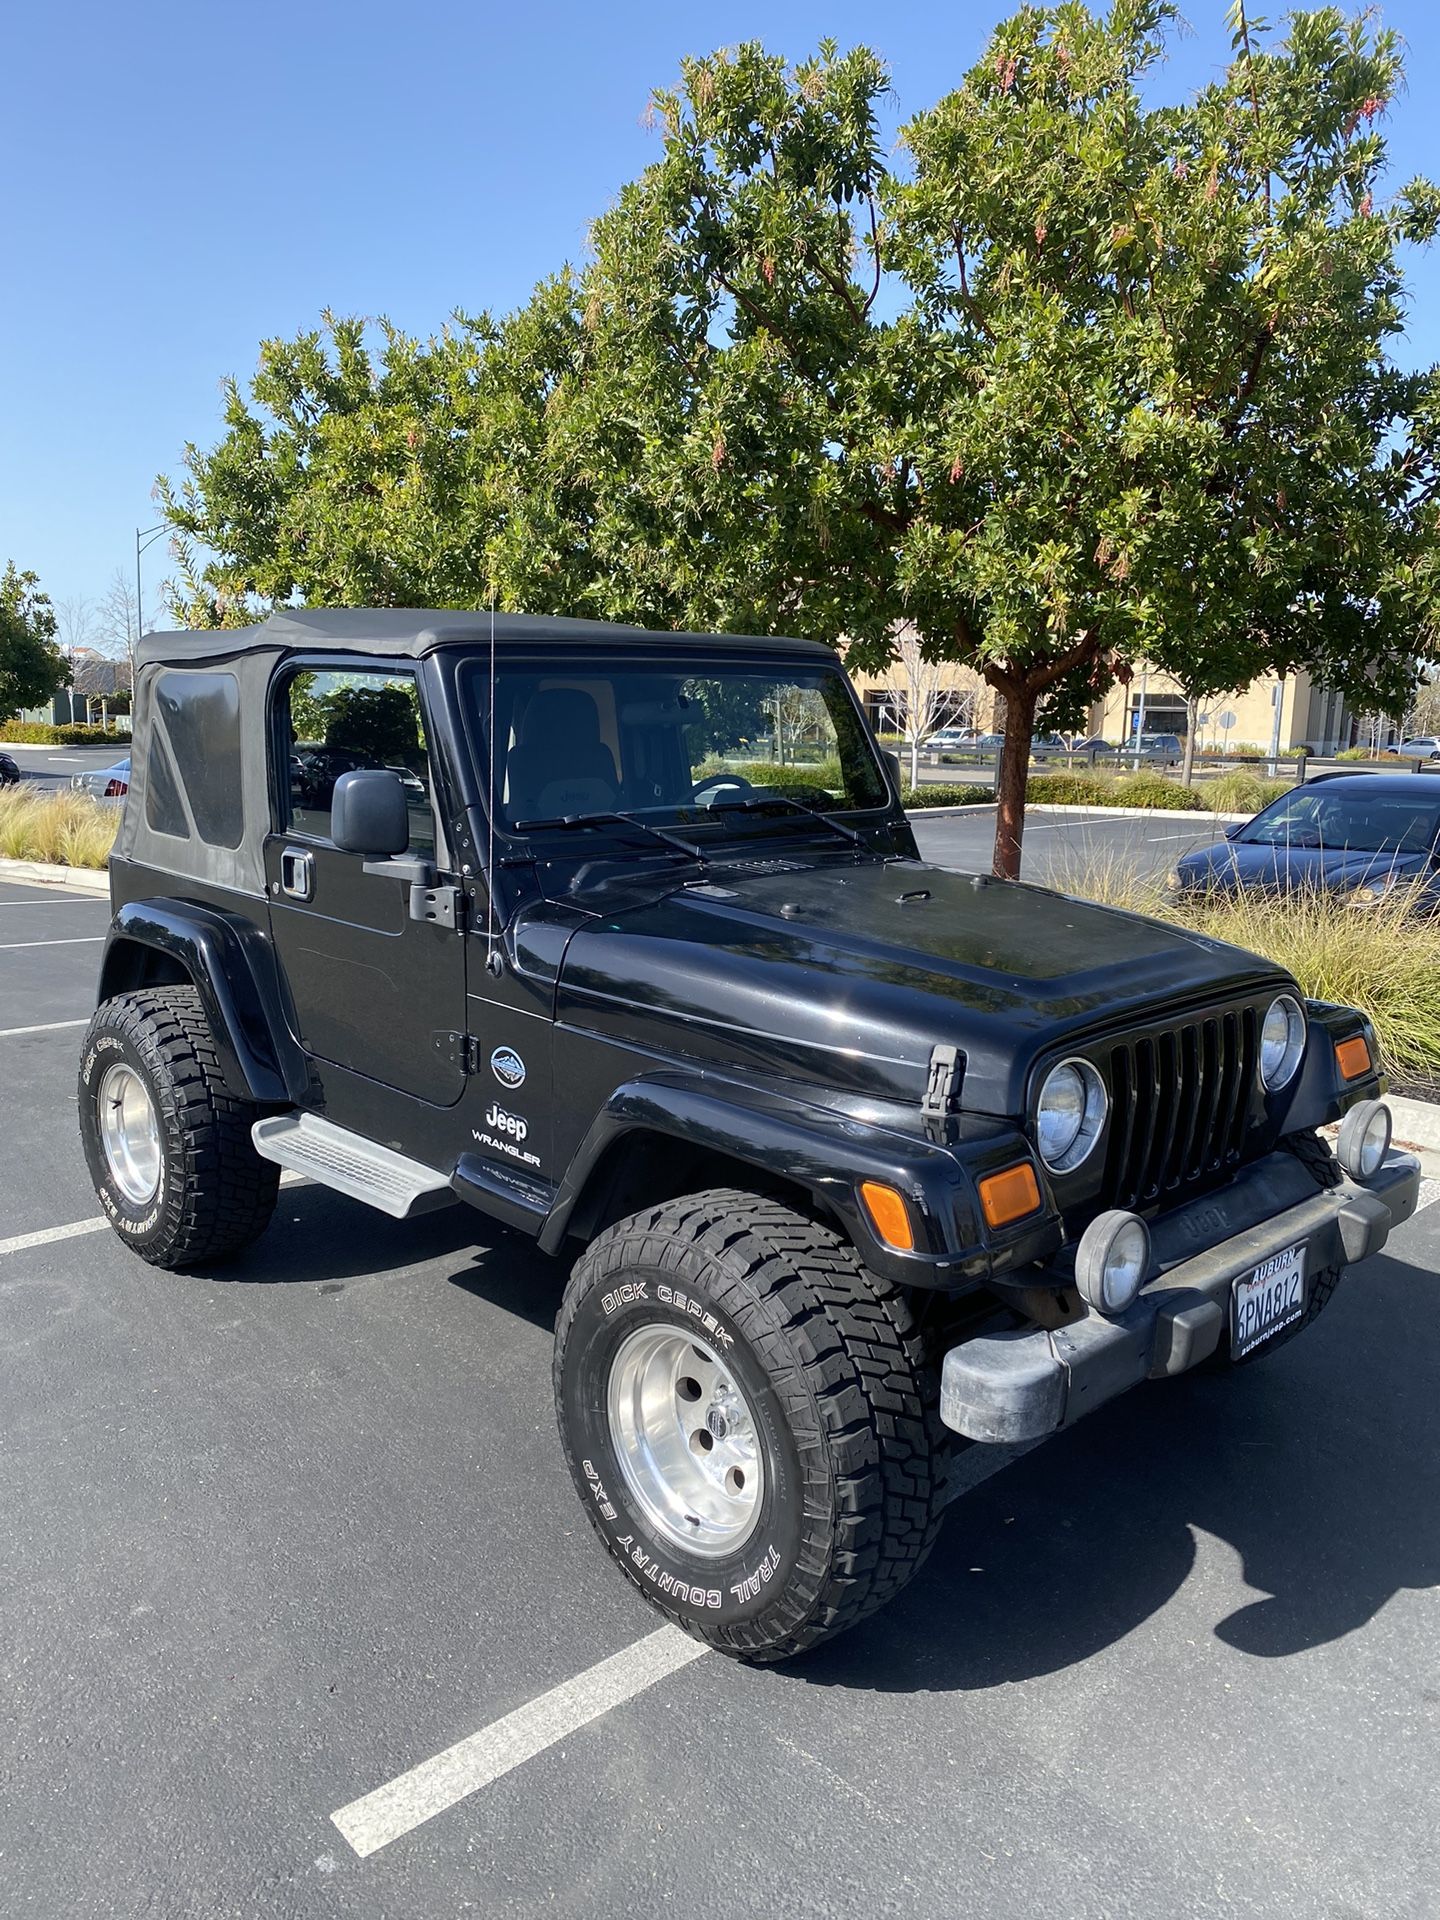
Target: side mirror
[(892, 761), (1232, 831), (369, 815)]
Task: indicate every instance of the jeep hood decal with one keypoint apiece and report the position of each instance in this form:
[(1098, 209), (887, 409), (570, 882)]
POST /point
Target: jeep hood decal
[(848, 975)]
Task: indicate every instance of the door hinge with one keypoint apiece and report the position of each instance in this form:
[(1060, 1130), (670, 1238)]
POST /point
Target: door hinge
[(442, 906), (942, 1090), (460, 1050)]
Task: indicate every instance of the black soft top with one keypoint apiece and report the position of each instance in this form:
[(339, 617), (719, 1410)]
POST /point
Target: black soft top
[(412, 631)]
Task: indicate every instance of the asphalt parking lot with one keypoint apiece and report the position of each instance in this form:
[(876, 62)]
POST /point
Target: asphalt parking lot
[(277, 1535), (1059, 849), (45, 768)]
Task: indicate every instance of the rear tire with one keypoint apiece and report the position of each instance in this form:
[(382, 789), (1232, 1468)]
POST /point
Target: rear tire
[(167, 1144), (728, 1330)]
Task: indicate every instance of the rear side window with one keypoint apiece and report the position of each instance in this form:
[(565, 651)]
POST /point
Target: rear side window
[(192, 772)]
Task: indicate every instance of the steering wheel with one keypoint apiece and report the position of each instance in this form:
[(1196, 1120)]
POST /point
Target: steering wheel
[(721, 783)]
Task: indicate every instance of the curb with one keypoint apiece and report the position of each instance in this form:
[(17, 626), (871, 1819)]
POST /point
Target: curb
[(1417, 1125), (47, 873), (1103, 813)]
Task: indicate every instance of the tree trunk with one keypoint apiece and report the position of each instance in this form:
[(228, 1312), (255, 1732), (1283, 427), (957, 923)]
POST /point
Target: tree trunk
[(1010, 781), (1187, 768), (914, 759)]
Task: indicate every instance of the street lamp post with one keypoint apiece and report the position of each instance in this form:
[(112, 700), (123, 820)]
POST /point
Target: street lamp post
[(145, 537)]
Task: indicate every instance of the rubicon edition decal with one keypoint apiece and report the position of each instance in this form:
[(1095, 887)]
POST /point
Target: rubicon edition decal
[(507, 1067)]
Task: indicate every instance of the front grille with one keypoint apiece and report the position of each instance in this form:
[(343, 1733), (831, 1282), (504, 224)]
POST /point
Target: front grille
[(1180, 1102)]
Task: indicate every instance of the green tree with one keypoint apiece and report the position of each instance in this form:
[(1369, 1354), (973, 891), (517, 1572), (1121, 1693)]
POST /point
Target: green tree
[(1074, 382), (1086, 382), (32, 667)]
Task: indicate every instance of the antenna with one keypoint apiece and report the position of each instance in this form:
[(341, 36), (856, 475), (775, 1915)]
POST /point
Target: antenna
[(491, 957)]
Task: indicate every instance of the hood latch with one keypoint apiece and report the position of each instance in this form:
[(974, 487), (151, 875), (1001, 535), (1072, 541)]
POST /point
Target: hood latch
[(942, 1092)]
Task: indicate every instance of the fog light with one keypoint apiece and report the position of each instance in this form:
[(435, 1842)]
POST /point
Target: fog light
[(1364, 1139), (1112, 1261)]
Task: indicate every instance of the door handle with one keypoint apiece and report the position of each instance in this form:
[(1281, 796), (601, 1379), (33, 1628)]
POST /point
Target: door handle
[(297, 873)]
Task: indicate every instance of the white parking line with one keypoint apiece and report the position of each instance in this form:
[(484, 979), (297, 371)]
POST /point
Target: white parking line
[(50, 1026), (44, 1236), (1429, 1194), (412, 1798), (75, 900), (20, 1241), (75, 940)]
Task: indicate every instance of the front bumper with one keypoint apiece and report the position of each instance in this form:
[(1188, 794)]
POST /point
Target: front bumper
[(1022, 1385)]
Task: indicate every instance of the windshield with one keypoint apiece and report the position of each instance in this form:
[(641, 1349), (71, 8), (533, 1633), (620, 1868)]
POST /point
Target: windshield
[(613, 737), (1347, 822)]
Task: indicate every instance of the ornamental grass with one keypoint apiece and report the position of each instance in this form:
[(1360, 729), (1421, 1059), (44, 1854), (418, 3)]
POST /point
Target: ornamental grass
[(70, 829)]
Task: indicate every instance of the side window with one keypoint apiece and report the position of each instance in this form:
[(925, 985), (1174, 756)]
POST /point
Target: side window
[(335, 723), (192, 771)]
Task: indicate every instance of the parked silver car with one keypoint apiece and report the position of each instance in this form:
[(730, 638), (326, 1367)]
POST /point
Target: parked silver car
[(104, 783)]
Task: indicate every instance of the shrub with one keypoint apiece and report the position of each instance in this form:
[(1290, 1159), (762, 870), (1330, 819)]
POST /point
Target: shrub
[(1070, 789), (1154, 790), (1243, 792), (1357, 753), (40, 733), (68, 828), (767, 773), (943, 794), (1144, 789)]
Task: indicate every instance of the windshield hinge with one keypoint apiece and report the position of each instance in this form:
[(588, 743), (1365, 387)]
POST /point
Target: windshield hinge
[(441, 906), (460, 1050), (942, 1090)]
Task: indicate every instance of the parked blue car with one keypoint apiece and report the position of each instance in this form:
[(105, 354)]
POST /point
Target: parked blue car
[(1356, 834)]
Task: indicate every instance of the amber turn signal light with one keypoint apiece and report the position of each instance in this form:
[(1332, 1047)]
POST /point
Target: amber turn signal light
[(1009, 1195), (889, 1215), (1352, 1057)]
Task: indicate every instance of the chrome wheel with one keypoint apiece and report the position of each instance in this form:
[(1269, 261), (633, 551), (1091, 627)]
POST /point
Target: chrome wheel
[(129, 1133), (685, 1438)]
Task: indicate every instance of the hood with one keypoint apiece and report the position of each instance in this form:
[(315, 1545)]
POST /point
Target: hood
[(846, 976), (1231, 863)]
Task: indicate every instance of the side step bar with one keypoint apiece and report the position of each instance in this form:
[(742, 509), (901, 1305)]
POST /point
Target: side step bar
[(351, 1164)]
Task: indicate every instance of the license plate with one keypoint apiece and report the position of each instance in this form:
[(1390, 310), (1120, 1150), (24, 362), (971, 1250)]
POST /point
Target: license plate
[(1272, 1297)]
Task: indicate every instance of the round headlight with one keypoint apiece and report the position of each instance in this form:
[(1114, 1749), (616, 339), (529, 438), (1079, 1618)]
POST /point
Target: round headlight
[(1069, 1114), (1282, 1041), (1364, 1139), (1112, 1260)]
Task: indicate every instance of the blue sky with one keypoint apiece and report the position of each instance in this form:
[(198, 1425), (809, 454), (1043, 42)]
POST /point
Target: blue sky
[(183, 180)]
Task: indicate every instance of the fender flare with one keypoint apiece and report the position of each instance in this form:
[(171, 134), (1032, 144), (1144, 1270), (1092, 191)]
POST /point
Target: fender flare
[(231, 964), (827, 1154)]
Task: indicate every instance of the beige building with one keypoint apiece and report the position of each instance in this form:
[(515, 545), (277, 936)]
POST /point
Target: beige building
[(1289, 712), (1309, 714)]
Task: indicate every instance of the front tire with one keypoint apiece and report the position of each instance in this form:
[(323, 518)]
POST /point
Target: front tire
[(167, 1145), (749, 1420)]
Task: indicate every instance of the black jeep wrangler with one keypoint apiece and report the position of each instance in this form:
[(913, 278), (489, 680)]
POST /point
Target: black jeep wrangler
[(621, 938)]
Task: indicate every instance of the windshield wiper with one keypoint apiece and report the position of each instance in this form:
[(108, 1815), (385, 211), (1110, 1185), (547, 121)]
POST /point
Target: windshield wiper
[(786, 800), (572, 820)]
